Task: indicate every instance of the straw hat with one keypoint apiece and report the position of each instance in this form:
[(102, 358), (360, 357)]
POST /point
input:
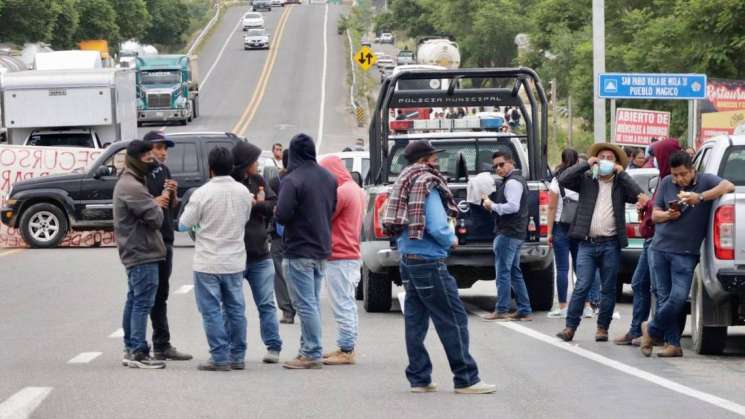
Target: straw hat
[(620, 154)]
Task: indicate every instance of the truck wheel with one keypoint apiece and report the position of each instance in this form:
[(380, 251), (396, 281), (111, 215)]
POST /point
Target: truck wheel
[(706, 340), (376, 290), (359, 293), (43, 225), (540, 284), (195, 107)]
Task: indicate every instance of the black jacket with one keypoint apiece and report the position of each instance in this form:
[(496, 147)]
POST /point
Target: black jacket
[(625, 190), (257, 228), (307, 199), (155, 184)]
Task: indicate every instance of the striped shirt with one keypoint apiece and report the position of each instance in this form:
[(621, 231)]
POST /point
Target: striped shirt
[(218, 212)]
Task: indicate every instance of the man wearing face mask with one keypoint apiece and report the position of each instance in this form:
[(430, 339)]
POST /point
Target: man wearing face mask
[(138, 218), (600, 226)]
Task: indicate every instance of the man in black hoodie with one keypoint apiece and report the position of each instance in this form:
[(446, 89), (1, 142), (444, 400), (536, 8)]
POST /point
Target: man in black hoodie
[(259, 267), (307, 200)]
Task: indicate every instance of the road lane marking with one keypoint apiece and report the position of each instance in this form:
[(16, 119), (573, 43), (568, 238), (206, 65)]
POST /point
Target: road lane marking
[(184, 289), (10, 252), (619, 366), (222, 50), (118, 333), (84, 357), (319, 138), (23, 403), (248, 114)]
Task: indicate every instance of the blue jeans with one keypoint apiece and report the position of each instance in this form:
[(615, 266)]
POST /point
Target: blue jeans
[(342, 277), (592, 257), (260, 277), (220, 300), (564, 246), (142, 282), (641, 283), (673, 276), (509, 275), (304, 277), (432, 292)]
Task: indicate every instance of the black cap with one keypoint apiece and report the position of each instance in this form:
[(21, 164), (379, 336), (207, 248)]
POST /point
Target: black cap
[(245, 154), (158, 137), (137, 148), (418, 149)]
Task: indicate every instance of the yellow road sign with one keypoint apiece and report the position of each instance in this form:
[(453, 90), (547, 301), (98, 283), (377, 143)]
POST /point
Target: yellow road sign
[(365, 58)]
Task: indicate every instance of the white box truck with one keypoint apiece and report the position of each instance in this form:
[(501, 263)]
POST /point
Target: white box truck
[(81, 108)]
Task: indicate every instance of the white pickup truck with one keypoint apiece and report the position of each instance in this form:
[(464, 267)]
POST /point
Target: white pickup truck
[(718, 292)]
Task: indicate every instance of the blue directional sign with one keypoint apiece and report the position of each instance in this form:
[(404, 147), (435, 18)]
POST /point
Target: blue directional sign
[(652, 86)]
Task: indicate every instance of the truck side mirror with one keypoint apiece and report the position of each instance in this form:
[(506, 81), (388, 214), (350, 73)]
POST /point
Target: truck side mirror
[(102, 171)]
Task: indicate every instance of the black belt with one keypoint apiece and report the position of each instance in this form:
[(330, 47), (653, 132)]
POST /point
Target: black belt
[(418, 258), (602, 239)]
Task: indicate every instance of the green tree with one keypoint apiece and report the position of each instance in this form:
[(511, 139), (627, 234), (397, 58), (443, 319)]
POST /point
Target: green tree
[(97, 21), (170, 21), (132, 18), (66, 25), (28, 21)]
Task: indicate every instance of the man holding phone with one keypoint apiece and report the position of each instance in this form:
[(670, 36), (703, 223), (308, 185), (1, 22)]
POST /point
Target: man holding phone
[(681, 213), (163, 188)]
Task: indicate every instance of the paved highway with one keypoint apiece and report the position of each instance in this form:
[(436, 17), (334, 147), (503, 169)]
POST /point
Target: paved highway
[(61, 309)]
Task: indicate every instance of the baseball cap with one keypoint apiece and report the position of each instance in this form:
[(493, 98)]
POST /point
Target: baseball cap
[(158, 137), (418, 149)]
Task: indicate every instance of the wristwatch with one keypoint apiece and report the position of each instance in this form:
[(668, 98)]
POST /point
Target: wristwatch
[(701, 197)]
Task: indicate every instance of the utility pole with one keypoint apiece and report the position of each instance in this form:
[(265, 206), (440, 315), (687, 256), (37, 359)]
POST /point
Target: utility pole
[(598, 66)]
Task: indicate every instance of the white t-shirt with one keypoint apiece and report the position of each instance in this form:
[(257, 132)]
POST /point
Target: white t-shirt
[(554, 187)]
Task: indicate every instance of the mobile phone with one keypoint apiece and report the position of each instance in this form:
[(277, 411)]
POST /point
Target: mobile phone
[(674, 205)]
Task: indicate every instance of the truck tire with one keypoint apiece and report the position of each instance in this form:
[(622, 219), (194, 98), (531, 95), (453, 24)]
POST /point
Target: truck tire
[(359, 293), (376, 288), (540, 284), (706, 340), (195, 107), (43, 225)]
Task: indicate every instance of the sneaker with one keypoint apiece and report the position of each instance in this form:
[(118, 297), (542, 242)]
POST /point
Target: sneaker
[(521, 317), (559, 313), (340, 358), (211, 366), (478, 388), (491, 317), (303, 363), (588, 312), (126, 358), (238, 365), (429, 388), (171, 354), (142, 360), (271, 357), (331, 354), (287, 318)]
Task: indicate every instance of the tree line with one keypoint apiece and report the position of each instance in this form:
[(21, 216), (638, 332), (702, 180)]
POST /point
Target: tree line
[(665, 36), (63, 23)]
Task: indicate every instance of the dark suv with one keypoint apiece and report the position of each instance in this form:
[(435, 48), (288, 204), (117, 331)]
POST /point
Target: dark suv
[(46, 208)]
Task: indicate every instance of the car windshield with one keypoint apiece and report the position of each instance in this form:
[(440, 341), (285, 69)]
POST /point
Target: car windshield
[(476, 153), (160, 77), (733, 168), (256, 32), (62, 139), (406, 54), (253, 16)]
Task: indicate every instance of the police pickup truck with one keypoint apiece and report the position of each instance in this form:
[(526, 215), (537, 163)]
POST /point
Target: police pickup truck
[(46, 208), (413, 97)]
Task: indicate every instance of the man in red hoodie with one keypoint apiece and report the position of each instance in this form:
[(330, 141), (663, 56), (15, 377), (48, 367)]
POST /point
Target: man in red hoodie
[(343, 268)]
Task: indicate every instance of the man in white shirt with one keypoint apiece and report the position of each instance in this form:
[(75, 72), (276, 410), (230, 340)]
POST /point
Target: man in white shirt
[(217, 213)]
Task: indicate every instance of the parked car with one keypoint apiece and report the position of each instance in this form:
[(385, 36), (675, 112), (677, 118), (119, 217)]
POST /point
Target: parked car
[(46, 208), (252, 20), (278, 3), (257, 5), (256, 38), (718, 290), (64, 137)]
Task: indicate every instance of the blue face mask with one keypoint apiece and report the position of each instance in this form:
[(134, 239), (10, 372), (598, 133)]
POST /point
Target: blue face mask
[(605, 167)]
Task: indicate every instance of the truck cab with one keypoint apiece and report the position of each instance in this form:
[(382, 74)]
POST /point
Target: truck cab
[(468, 146), (167, 89), (718, 289)]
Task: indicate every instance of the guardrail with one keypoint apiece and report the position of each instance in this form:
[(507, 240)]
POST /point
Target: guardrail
[(205, 30)]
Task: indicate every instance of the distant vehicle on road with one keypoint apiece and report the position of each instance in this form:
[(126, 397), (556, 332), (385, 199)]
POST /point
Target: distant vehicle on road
[(719, 279), (46, 107), (385, 38), (256, 38), (83, 201), (168, 88), (405, 57), (257, 5), (438, 51), (293, 2), (279, 3), (365, 42), (252, 20)]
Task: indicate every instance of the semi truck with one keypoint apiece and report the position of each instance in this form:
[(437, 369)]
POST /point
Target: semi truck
[(167, 88), (61, 107), (438, 51)]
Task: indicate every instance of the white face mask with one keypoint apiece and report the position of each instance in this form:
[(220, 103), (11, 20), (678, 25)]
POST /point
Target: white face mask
[(605, 167)]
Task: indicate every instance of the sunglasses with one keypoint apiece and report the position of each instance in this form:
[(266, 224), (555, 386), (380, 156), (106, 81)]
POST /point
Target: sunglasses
[(499, 165)]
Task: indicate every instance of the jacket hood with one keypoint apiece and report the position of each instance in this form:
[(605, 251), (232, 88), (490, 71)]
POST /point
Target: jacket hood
[(302, 149), (334, 165), (244, 155), (662, 151)]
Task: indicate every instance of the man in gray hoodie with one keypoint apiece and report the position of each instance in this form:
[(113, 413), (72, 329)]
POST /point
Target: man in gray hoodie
[(138, 217)]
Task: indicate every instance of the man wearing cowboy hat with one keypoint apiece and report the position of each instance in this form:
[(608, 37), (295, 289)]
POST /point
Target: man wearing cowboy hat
[(600, 226)]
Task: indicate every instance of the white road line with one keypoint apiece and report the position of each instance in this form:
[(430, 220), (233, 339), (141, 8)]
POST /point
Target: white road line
[(184, 289), (219, 55), (23, 403), (84, 357), (319, 137), (620, 366), (118, 333)]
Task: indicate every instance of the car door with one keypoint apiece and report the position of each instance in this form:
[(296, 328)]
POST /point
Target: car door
[(185, 166), (93, 203)]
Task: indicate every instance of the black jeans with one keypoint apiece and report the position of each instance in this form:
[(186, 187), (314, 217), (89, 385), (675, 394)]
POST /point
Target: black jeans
[(158, 315)]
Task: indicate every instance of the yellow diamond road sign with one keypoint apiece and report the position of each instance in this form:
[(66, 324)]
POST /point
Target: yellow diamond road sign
[(365, 58)]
